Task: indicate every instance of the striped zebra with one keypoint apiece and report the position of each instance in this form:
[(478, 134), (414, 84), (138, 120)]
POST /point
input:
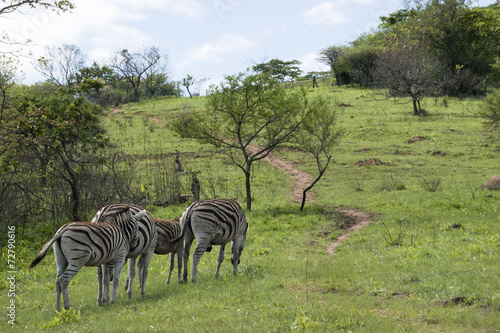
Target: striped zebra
[(169, 241), (147, 237), (213, 222), (78, 244)]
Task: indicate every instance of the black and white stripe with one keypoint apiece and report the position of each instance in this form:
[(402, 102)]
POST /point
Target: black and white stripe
[(170, 242), (213, 222), (147, 237), (78, 244)]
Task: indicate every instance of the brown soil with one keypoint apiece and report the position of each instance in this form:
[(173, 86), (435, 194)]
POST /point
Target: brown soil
[(373, 161), (301, 180), (115, 110), (493, 183), (417, 139)]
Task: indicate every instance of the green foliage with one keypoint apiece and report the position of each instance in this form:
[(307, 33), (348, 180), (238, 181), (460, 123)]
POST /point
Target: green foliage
[(491, 115), (279, 69), (63, 318)]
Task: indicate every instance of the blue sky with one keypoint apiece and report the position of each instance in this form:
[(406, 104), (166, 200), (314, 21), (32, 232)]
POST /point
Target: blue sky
[(203, 38)]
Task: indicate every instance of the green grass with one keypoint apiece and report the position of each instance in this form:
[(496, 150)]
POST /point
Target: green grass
[(429, 261)]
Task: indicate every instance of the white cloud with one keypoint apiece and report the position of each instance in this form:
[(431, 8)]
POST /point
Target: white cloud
[(310, 63), (325, 13), (186, 8), (214, 50)]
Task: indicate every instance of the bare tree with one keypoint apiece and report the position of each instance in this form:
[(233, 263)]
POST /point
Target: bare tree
[(134, 68), (61, 64), (408, 71)]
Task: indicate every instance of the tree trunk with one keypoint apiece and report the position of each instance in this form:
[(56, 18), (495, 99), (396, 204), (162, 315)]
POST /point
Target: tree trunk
[(416, 110), (247, 185), (304, 192)]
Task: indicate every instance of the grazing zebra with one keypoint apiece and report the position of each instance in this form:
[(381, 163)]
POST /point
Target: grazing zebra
[(147, 236), (169, 241), (213, 222), (78, 244)]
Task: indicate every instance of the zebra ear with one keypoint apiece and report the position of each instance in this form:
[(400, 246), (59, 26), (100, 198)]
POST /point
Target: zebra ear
[(140, 215)]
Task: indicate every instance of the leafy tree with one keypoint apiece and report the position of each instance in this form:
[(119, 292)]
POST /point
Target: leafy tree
[(491, 114), (61, 64), (248, 115), (187, 82), (318, 136), (62, 132), (331, 56), (135, 68), (279, 69), (465, 38), (7, 83)]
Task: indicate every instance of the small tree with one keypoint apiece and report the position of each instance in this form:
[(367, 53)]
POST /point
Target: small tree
[(409, 71), (187, 82), (245, 110), (279, 69), (331, 56), (61, 64), (491, 114), (318, 136), (134, 68)]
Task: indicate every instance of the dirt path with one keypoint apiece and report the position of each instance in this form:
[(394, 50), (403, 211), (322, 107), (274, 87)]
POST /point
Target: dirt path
[(301, 179)]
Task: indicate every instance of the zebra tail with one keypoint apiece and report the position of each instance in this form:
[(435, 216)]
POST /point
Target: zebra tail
[(44, 250)]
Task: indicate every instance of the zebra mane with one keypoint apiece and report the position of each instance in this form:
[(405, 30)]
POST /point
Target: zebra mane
[(119, 214)]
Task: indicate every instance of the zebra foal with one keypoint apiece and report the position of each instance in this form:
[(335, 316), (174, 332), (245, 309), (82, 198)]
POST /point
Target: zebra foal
[(147, 236), (213, 222), (78, 244), (169, 241)]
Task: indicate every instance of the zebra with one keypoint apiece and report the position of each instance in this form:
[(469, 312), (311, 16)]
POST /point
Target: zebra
[(169, 241), (213, 222), (78, 244), (147, 237)]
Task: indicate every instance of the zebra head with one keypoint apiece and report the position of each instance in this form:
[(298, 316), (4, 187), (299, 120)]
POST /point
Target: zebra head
[(134, 220), (237, 245)]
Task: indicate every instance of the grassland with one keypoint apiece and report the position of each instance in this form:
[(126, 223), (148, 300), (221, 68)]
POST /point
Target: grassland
[(429, 262)]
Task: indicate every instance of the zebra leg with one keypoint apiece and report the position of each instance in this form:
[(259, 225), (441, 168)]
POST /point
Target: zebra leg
[(146, 258), (99, 281), (220, 259), (179, 265), (185, 258), (130, 276), (105, 282), (64, 280), (171, 268), (201, 246), (117, 268), (62, 265)]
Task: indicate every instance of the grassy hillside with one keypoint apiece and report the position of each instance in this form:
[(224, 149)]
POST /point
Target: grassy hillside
[(428, 262)]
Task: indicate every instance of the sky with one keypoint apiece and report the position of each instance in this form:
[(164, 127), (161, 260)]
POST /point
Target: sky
[(206, 39)]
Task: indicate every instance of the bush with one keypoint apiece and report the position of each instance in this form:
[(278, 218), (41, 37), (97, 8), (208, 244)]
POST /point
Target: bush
[(491, 114)]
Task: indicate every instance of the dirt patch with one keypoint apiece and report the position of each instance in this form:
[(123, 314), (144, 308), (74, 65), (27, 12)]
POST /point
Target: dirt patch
[(493, 183), (115, 110), (157, 120), (343, 105), (355, 219), (361, 220), (301, 179), (417, 139), (372, 161)]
